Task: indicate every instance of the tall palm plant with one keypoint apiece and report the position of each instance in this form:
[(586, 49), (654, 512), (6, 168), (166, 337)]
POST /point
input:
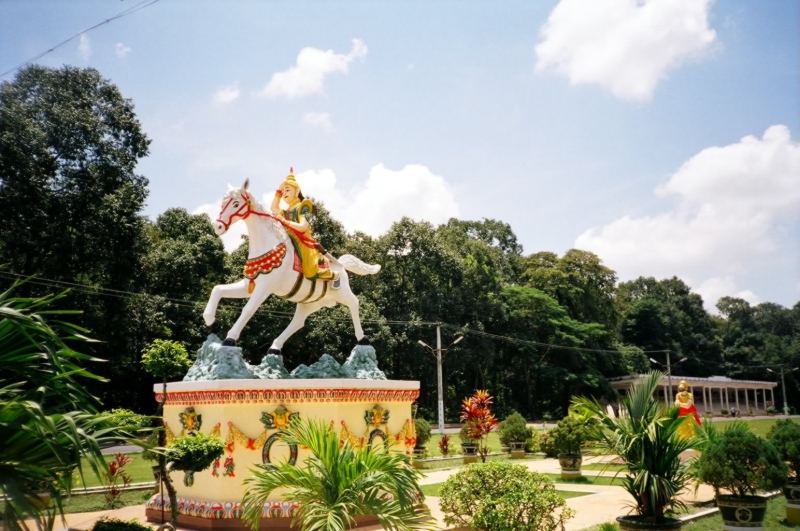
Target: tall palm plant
[(48, 421), (337, 483), (646, 438)]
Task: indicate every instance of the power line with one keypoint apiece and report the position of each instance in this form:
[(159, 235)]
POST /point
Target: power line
[(141, 5), (109, 292)]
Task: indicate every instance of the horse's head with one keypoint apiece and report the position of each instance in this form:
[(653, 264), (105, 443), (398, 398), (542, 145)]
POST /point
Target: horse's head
[(236, 205)]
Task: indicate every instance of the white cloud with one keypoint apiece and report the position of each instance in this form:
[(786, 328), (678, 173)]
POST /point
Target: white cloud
[(715, 288), (385, 197), (121, 50), (732, 202), (627, 46), (319, 119), (228, 93), (84, 47), (371, 206), (307, 76)]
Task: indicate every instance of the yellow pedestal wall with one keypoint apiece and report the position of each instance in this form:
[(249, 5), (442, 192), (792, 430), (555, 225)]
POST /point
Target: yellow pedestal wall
[(233, 410)]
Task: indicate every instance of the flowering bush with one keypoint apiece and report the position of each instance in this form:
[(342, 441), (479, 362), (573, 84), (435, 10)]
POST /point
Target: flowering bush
[(444, 445), (477, 414)]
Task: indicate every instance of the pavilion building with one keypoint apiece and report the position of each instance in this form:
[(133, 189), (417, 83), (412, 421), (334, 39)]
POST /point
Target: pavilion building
[(713, 394)]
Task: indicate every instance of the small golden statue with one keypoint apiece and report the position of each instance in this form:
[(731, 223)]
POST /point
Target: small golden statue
[(685, 401)]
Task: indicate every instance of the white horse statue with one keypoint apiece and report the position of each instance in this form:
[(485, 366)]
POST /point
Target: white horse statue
[(273, 268)]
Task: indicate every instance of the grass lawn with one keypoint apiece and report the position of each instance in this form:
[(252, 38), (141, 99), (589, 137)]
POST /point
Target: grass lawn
[(775, 520), (433, 490), (97, 502), (760, 426), (138, 469), (455, 443), (603, 468), (587, 480), (458, 462)]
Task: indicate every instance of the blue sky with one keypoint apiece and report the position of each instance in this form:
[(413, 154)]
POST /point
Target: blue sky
[(611, 125)]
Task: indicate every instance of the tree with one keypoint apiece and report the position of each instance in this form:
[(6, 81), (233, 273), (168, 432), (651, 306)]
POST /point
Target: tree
[(165, 359), (70, 202), (48, 421)]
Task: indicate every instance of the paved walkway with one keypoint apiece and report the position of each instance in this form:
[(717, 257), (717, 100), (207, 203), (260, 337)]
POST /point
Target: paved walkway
[(604, 504)]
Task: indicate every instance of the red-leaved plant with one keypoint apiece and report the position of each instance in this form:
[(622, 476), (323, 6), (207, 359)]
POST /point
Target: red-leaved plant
[(444, 445), (477, 414), (114, 476)]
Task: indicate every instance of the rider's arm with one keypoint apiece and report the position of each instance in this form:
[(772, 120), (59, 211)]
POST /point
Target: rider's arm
[(275, 207)]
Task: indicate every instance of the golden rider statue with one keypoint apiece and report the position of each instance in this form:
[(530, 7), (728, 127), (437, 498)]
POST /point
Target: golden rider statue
[(311, 253)]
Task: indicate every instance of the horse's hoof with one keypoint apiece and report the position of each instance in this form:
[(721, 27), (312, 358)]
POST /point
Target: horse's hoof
[(274, 351), (214, 327), (229, 342), (364, 341)]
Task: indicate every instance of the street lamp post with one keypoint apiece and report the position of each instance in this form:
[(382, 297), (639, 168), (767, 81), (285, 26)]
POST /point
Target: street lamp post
[(783, 388), (669, 370), (437, 353)]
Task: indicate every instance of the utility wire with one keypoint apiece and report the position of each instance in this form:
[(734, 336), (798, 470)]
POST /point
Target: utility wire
[(109, 292), (141, 5)]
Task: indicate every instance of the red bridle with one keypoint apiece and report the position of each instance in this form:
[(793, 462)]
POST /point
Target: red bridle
[(245, 197)]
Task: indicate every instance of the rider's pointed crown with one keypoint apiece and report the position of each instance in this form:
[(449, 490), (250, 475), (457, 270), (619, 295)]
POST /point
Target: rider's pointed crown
[(290, 180)]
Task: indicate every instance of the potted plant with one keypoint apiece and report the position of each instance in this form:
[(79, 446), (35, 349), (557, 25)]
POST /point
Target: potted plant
[(743, 464), (771, 410), (785, 436), (515, 434), (469, 448), (479, 421), (646, 439), (723, 412), (568, 437), (423, 429)]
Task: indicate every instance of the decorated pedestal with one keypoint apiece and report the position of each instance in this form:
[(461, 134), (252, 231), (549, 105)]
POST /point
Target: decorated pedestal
[(248, 416)]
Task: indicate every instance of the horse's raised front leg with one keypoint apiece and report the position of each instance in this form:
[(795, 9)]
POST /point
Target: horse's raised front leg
[(257, 298), (300, 313), (237, 290)]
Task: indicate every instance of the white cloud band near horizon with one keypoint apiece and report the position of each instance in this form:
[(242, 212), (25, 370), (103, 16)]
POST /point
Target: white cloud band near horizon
[(730, 202), (626, 46), (384, 197)]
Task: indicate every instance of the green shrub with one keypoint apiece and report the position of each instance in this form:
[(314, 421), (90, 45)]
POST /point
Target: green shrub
[(785, 436), (423, 432), (464, 435), (194, 453), (115, 524), (547, 444), (608, 526), (723, 411), (569, 435), (742, 463), (125, 418), (165, 359), (498, 496), (514, 429), (771, 410)]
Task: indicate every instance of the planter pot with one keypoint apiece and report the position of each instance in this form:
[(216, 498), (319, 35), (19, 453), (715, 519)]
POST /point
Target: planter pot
[(792, 493), (419, 451), (505, 449), (570, 465), (631, 523), (517, 450), (745, 513), (470, 451)]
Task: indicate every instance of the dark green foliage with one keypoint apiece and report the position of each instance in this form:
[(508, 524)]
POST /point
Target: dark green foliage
[(423, 429), (742, 463), (547, 444), (569, 435), (498, 496), (115, 524), (785, 436), (194, 453), (514, 429)]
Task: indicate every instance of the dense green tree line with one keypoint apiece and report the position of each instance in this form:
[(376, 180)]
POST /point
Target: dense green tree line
[(71, 211)]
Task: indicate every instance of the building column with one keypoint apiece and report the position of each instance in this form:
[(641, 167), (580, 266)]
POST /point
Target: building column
[(755, 399), (772, 396), (747, 400), (705, 407), (737, 398)]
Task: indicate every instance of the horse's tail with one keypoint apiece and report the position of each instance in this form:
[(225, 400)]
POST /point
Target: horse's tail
[(354, 265)]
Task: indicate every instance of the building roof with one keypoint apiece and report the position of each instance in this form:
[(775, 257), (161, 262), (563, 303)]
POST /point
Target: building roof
[(711, 381)]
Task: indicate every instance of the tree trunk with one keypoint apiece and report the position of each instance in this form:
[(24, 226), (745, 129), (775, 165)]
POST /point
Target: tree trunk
[(162, 462)]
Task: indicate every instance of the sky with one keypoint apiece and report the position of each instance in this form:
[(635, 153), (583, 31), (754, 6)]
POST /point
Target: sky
[(661, 135)]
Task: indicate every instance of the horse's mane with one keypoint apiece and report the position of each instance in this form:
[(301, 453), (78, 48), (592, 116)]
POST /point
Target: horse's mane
[(258, 207)]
